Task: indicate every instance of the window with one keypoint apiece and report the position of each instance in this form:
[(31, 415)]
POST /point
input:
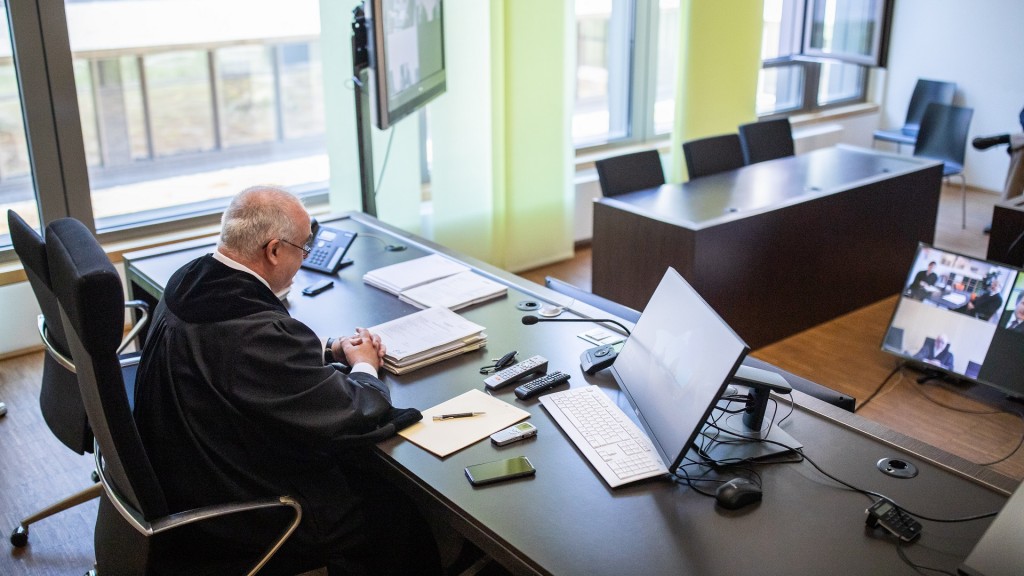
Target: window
[(626, 54), (816, 53), (177, 112)]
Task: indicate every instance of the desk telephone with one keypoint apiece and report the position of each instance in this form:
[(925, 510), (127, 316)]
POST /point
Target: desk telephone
[(328, 249)]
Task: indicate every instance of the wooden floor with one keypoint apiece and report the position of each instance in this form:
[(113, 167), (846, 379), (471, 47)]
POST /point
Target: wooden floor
[(974, 423), (36, 470)]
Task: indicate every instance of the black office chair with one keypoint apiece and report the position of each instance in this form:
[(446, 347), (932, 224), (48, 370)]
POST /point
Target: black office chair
[(90, 301), (714, 154), (925, 92), (59, 399), (599, 302), (630, 172), (943, 137), (766, 140)]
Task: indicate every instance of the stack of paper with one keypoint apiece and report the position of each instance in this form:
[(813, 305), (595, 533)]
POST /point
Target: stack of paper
[(434, 281), (426, 337), (400, 277), (454, 292)]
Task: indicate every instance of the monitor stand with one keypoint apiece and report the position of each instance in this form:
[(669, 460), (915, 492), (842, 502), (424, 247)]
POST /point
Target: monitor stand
[(743, 436)]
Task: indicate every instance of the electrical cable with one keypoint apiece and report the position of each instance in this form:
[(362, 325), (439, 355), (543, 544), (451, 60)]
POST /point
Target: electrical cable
[(1020, 442), (898, 368), (388, 247), (384, 164), (917, 567)]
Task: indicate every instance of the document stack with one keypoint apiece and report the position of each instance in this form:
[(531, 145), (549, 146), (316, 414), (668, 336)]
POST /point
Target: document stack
[(433, 281), (426, 337)]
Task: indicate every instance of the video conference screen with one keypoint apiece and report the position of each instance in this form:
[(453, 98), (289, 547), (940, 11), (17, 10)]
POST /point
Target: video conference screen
[(962, 316)]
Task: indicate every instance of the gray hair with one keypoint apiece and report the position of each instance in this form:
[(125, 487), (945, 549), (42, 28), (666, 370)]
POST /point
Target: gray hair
[(254, 217)]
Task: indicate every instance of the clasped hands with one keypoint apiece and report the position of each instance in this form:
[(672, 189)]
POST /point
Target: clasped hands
[(361, 347)]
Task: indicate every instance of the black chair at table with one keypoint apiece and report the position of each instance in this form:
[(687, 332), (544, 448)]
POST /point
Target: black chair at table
[(925, 92), (134, 520), (59, 399), (630, 172), (766, 140), (943, 137), (714, 154)]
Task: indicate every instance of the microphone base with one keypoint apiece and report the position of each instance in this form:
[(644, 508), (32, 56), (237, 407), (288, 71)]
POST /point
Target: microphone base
[(593, 360)]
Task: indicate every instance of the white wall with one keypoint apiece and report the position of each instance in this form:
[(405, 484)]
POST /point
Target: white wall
[(978, 45)]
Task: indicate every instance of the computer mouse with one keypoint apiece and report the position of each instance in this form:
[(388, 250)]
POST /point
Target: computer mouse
[(737, 493)]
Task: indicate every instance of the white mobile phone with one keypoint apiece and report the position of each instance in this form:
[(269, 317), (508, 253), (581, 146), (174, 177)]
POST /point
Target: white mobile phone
[(513, 433)]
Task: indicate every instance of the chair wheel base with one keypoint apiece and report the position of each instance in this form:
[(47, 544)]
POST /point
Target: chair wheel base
[(19, 537)]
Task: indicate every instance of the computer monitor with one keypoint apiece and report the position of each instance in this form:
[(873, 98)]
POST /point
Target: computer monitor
[(1000, 552), (675, 365), (962, 317)]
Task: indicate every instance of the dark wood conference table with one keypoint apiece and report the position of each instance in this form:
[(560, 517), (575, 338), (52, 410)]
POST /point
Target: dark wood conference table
[(565, 520), (775, 247)]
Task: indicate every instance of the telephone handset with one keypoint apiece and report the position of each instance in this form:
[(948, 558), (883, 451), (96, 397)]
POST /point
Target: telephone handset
[(329, 248)]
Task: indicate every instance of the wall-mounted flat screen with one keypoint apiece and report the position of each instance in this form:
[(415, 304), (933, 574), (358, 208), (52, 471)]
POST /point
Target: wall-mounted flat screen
[(962, 316), (407, 65)]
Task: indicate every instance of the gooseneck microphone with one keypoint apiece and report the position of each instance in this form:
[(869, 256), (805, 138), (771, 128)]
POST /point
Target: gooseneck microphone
[(530, 320), (592, 360)]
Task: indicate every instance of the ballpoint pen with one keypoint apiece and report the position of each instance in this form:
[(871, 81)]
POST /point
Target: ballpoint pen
[(458, 415)]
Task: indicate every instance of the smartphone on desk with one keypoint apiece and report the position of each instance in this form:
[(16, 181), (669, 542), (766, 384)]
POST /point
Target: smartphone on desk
[(490, 472)]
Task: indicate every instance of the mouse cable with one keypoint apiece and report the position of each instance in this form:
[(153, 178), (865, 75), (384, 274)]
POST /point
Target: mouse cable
[(898, 368), (901, 551)]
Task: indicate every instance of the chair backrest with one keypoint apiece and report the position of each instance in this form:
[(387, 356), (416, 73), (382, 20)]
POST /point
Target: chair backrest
[(766, 140), (926, 92), (630, 172), (91, 302), (714, 154), (599, 302), (943, 135), (59, 399)]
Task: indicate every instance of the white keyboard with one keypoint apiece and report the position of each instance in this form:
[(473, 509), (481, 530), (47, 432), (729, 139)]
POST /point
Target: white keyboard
[(619, 451)]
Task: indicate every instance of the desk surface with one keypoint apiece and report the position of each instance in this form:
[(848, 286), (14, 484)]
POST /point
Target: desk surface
[(750, 190), (565, 520)]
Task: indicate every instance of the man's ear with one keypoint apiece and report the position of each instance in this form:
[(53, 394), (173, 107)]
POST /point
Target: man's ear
[(272, 251)]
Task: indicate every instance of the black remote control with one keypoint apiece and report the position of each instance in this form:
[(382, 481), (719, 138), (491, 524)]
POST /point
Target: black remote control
[(517, 372), (538, 385)]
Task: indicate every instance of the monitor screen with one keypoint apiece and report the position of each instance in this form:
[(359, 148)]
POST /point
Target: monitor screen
[(961, 316), (407, 65), (676, 364)]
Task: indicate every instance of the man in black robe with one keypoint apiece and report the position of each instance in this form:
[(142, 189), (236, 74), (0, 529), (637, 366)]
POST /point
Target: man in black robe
[(236, 401)]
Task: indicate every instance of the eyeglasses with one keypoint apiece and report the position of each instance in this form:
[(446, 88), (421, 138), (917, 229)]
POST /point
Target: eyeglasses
[(306, 248)]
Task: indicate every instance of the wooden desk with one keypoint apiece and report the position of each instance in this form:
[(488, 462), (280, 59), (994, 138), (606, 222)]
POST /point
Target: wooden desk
[(774, 247), (565, 520)]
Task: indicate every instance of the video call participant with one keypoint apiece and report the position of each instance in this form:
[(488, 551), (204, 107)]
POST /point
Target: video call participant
[(923, 281), (938, 354), (235, 402), (983, 306), (1013, 320)]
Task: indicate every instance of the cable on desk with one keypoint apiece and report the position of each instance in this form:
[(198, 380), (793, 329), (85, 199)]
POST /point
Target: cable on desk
[(917, 567), (982, 413), (387, 247), (898, 367)]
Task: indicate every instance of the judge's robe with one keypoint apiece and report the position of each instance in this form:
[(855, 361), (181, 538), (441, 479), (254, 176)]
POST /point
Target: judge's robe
[(234, 403)]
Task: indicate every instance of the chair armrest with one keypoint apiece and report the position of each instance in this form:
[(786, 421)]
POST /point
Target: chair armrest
[(144, 308), (178, 519), (50, 348)]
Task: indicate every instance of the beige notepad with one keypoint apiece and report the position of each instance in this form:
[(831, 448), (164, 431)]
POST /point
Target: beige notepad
[(444, 437)]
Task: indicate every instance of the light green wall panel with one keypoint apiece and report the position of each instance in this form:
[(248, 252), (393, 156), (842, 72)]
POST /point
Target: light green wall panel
[(719, 60), (502, 186)]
